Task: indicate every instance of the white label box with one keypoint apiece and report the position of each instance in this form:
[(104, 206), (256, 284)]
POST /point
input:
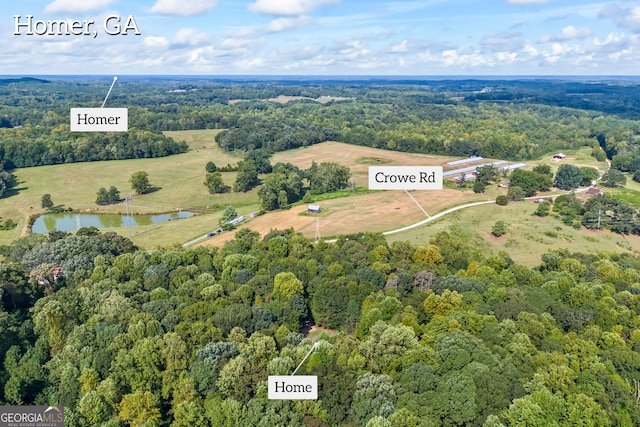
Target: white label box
[(99, 120), (293, 387), (405, 177)]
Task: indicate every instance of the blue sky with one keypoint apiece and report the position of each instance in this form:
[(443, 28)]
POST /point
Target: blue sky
[(329, 37)]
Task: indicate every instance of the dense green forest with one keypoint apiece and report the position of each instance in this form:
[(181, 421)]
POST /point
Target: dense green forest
[(44, 145), (434, 335), (501, 119)]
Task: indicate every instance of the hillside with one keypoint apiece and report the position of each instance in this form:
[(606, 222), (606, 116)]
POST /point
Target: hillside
[(525, 312), (428, 335)]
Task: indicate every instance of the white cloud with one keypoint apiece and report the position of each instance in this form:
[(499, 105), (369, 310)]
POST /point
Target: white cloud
[(560, 49), (234, 44), (190, 37), (183, 8), (506, 57), (531, 51), (288, 7), (527, 1), (627, 18), (618, 55), (400, 47), (156, 42), (299, 58), (249, 64), (242, 32), (568, 33), (350, 49), (611, 38), (282, 24), (77, 6), (59, 48), (452, 58)]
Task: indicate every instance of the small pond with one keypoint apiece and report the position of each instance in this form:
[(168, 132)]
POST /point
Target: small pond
[(72, 222)]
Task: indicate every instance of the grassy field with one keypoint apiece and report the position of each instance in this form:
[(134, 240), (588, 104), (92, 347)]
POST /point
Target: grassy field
[(528, 236), (356, 157), (179, 180), (580, 157), (630, 193)]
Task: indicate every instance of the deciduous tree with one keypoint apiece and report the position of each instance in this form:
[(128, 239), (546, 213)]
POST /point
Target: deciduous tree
[(46, 201), (214, 183), (247, 176), (286, 285), (328, 177), (140, 182), (568, 177), (613, 178), (227, 215)]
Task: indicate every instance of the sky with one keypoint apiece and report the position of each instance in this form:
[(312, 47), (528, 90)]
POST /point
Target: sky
[(320, 37)]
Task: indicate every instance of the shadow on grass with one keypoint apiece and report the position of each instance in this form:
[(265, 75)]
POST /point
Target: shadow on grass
[(150, 190), (14, 191)]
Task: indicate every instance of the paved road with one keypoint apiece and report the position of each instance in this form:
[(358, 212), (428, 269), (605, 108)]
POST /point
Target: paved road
[(198, 239)]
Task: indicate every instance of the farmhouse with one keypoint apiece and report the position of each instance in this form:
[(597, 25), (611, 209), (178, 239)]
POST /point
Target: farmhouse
[(592, 191), (314, 209)]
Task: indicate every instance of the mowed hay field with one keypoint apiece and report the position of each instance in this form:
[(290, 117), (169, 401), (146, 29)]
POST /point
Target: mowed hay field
[(377, 212), (179, 182), (357, 158), (528, 237)]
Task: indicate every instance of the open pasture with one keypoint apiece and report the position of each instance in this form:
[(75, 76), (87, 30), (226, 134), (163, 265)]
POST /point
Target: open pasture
[(528, 237), (356, 157), (178, 182)]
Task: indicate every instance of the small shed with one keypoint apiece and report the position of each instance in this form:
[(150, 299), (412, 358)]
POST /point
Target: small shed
[(559, 156), (593, 191), (314, 209)]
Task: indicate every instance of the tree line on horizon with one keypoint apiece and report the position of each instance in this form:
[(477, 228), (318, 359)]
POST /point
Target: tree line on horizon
[(410, 117)]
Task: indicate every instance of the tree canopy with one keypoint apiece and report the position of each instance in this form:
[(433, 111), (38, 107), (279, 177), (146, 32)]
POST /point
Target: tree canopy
[(568, 177), (140, 182), (188, 336)]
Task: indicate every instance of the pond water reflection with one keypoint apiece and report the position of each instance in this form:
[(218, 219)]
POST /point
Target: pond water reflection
[(72, 222)]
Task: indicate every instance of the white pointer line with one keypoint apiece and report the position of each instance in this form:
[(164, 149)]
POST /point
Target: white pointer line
[(416, 202), (109, 93)]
